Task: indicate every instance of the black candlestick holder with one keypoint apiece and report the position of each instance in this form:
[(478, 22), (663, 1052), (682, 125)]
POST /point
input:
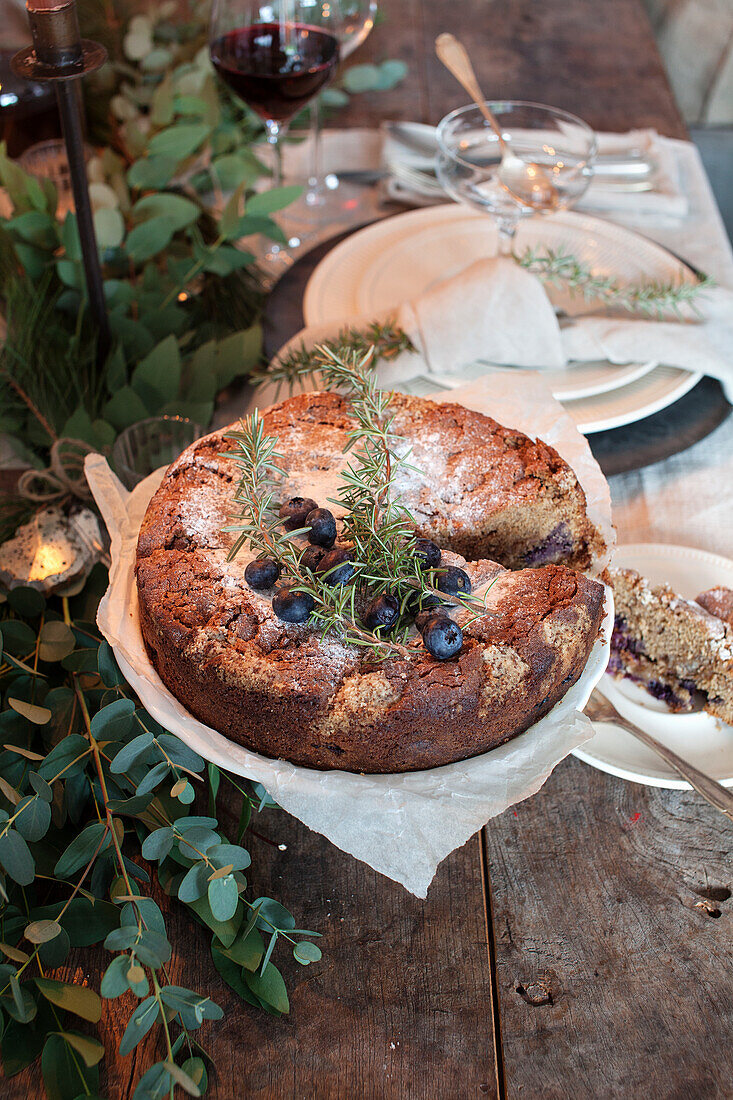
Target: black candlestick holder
[(60, 55)]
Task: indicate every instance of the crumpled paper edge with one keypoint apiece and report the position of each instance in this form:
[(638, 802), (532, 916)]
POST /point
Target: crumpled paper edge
[(393, 823)]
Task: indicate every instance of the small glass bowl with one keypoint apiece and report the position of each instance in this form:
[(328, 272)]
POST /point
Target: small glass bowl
[(542, 139), (150, 444)]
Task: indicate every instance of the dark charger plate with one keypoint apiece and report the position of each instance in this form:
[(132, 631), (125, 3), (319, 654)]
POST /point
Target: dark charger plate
[(617, 450)]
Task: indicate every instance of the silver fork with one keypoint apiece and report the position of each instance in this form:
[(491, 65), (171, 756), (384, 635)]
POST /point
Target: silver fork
[(600, 710)]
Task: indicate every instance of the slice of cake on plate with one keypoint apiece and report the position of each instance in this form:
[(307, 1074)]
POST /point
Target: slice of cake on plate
[(673, 647)]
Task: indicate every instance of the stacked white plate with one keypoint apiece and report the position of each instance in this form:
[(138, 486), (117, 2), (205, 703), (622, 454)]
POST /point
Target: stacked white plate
[(378, 268)]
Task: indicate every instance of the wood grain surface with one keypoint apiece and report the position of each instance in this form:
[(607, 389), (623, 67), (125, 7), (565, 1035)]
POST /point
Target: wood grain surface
[(609, 911), (596, 58), (613, 919)]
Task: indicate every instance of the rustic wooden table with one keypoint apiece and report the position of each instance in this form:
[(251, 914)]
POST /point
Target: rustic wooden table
[(579, 946)]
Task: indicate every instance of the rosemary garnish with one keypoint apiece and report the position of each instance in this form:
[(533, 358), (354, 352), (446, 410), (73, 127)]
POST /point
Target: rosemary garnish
[(379, 339), (380, 531), (654, 298)]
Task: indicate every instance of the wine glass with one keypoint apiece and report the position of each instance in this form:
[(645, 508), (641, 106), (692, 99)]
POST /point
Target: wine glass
[(553, 144), (274, 57), (354, 20)]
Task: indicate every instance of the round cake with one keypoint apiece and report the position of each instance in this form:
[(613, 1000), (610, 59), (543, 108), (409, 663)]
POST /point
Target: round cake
[(505, 509)]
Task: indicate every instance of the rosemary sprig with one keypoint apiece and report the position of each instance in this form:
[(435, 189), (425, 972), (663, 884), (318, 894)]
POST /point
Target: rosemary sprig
[(259, 526), (382, 339), (378, 528), (654, 298)]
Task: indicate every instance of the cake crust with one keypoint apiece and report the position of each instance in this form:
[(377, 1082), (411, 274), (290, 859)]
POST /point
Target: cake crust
[(285, 691)]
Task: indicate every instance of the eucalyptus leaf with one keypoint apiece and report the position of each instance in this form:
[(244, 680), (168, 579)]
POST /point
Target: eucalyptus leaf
[(79, 999), (24, 1004), (39, 716), (233, 975), (114, 721), (141, 1021), (109, 227), (56, 639), (33, 818), (16, 858), (65, 1075), (150, 238), (269, 987), (178, 141), (91, 1050), (182, 211), (64, 758), (114, 979), (195, 884), (223, 897), (55, 952), (152, 172), (158, 844), (94, 837), (40, 931), (26, 601), (155, 1083), (277, 198), (132, 753), (153, 777), (306, 952), (108, 667)]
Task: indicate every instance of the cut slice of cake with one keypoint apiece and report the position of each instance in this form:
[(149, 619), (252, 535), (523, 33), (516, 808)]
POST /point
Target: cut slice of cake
[(673, 647)]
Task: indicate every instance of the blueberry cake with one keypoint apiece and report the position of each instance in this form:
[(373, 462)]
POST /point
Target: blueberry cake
[(497, 517), (673, 647)]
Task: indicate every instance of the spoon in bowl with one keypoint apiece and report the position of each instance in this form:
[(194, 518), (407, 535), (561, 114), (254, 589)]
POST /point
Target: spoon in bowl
[(527, 182)]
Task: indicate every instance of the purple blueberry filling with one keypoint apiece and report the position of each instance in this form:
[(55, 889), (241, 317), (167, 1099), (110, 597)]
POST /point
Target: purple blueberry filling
[(558, 545), (665, 693), (622, 641)]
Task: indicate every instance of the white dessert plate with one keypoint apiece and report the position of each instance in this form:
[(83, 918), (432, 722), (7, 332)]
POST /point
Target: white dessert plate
[(394, 260), (698, 737)]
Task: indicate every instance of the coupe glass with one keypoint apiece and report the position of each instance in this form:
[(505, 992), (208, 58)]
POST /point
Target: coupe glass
[(554, 147)]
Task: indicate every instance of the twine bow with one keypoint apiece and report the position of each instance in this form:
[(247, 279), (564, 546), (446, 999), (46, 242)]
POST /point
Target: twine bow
[(64, 476)]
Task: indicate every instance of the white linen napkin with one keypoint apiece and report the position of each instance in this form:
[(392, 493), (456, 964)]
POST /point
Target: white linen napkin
[(703, 343), (494, 310), (497, 313)]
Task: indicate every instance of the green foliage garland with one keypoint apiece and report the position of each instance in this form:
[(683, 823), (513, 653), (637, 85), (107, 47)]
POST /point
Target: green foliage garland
[(87, 779)]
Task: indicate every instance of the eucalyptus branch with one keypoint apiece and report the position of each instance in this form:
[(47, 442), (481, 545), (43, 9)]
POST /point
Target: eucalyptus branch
[(652, 298)]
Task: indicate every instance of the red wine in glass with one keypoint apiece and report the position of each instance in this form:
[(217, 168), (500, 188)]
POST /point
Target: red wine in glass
[(275, 67)]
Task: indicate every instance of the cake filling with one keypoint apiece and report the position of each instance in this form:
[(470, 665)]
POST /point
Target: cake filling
[(558, 546), (672, 647)]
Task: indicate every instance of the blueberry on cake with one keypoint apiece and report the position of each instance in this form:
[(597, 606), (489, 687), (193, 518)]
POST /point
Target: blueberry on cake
[(673, 647), (369, 582)]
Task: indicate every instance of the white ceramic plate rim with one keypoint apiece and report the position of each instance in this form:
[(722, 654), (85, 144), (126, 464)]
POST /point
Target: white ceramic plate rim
[(587, 420), (673, 551)]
